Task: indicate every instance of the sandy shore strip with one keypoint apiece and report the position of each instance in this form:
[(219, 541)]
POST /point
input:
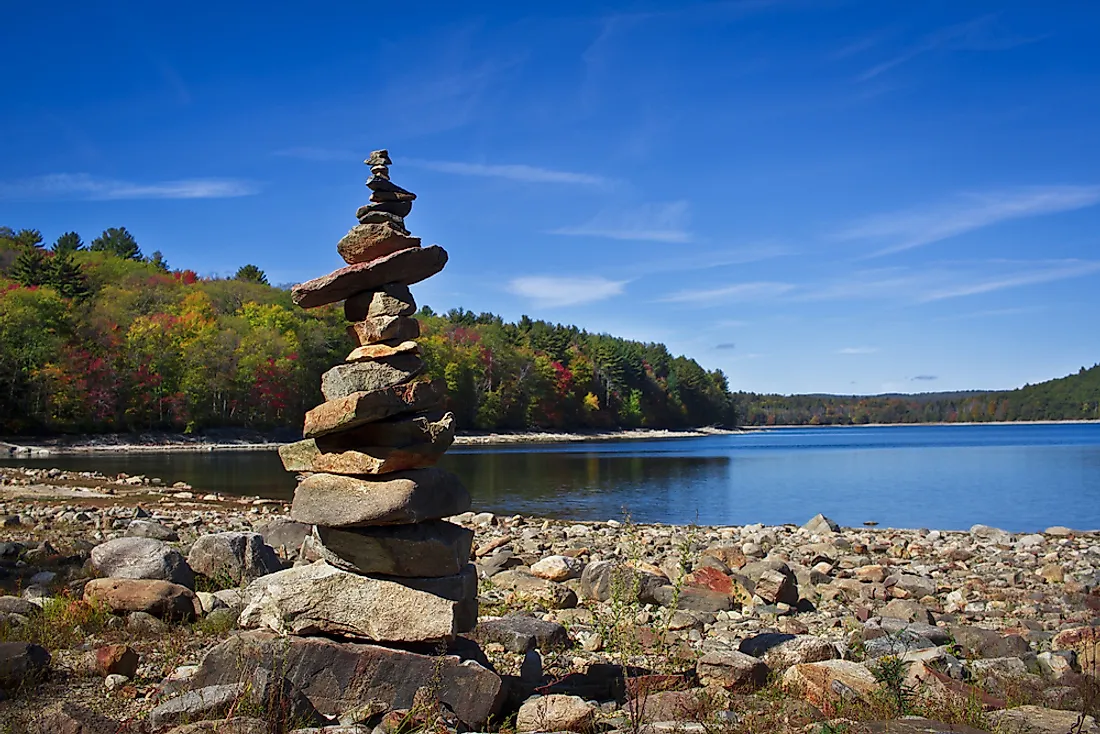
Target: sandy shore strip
[(121, 443)]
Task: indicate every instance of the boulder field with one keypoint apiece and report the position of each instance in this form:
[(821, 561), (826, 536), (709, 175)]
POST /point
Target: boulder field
[(581, 626)]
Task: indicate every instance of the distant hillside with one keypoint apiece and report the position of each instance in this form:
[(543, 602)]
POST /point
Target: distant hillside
[(1075, 397)]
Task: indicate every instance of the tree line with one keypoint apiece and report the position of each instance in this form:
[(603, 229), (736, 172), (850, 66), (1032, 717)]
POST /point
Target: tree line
[(1074, 397), (98, 337)]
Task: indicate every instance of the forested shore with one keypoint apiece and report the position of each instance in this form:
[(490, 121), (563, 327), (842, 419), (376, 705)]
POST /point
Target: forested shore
[(101, 338)]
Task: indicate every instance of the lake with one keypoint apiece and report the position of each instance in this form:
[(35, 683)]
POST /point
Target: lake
[(1018, 477)]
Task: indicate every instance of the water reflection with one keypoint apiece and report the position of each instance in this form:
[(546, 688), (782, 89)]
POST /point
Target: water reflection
[(661, 488)]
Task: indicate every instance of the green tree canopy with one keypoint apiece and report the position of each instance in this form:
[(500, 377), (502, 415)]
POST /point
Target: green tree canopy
[(30, 268), (68, 242), (157, 259), (119, 242), (251, 274)]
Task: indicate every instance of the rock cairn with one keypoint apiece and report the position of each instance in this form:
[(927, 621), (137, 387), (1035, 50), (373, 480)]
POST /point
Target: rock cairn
[(389, 569)]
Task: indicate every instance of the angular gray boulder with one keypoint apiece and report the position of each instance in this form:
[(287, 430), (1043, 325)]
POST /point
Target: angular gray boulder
[(345, 379), (432, 548), (338, 676), (239, 557)]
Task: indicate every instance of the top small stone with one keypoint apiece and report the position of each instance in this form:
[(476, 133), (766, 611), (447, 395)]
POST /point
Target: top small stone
[(379, 158)]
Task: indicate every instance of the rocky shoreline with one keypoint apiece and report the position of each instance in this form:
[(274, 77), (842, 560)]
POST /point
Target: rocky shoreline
[(595, 626)]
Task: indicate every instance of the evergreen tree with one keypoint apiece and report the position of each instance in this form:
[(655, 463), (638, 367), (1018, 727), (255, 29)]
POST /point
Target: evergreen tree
[(251, 274), (68, 242), (158, 260), (64, 274), (117, 241), (29, 238), (30, 268)]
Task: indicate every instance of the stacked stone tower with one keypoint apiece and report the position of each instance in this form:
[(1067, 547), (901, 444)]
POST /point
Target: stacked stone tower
[(390, 569)]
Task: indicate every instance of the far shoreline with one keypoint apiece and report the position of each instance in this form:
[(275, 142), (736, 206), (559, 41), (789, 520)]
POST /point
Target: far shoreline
[(162, 442), (172, 443)]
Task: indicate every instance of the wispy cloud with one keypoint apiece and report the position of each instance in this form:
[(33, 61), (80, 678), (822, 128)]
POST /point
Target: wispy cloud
[(942, 282), (901, 285), (88, 187), (546, 290), (991, 313), (754, 291), (1047, 273), (925, 378), (512, 172), (979, 34), (319, 155), (654, 223), (687, 261), (857, 350), (905, 230), (726, 345)]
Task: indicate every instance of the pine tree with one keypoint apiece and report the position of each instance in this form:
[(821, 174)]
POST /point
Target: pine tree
[(29, 238), (117, 241), (30, 268), (252, 274), (68, 242), (157, 260), (64, 274)]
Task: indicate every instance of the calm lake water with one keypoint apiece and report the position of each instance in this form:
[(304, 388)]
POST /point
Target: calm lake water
[(1018, 477)]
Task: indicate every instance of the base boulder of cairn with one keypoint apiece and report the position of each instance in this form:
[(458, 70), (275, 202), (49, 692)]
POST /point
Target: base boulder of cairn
[(338, 677), (322, 599)]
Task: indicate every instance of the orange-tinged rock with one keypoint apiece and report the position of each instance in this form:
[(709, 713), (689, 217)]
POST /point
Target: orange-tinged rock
[(827, 683), (382, 350)]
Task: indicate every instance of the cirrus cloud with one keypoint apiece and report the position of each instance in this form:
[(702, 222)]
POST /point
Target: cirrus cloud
[(547, 290), (88, 187)]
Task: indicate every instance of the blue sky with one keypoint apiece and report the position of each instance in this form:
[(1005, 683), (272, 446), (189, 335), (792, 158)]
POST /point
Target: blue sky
[(816, 196)]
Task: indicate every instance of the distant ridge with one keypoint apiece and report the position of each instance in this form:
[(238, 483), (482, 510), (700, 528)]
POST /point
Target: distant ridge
[(1069, 398)]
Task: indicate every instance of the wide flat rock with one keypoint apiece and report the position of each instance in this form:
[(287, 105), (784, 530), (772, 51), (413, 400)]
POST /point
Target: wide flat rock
[(405, 266), (379, 374), (361, 408), (432, 548), (406, 497), (339, 676), (387, 348), (322, 599), (421, 443)]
